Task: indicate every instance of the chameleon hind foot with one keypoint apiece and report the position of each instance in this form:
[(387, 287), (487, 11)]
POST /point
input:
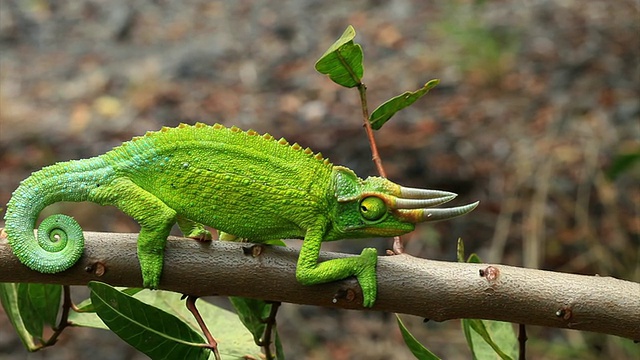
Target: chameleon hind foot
[(193, 230), (202, 235)]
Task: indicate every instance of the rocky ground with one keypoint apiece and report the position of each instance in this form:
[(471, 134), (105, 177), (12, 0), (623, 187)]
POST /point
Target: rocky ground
[(537, 101)]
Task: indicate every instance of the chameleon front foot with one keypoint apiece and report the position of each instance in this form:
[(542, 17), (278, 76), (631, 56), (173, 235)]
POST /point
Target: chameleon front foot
[(363, 267), (367, 276)]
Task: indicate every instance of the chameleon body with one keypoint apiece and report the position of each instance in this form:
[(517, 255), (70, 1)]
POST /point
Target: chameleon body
[(244, 184)]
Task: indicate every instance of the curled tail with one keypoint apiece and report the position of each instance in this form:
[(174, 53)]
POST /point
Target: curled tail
[(60, 241)]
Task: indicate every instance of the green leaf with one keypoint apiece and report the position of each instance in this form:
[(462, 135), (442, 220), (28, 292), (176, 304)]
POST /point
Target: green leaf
[(278, 346), (253, 313), (487, 339), (460, 250), (156, 333), (417, 349), (474, 258), (87, 307), (39, 305), (9, 300), (622, 163), (86, 319), (384, 112), (235, 341), (343, 60), (274, 242)]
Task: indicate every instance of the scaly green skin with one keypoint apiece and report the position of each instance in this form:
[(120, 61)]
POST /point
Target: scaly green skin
[(242, 183)]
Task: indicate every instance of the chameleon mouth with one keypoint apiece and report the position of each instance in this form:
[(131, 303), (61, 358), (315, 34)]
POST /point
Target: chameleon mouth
[(415, 205)]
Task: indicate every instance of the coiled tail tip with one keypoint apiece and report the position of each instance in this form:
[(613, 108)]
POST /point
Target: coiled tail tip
[(59, 244)]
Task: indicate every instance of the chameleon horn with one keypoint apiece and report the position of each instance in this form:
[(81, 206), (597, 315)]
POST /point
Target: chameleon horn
[(423, 203), (432, 215), (416, 193), (448, 213)]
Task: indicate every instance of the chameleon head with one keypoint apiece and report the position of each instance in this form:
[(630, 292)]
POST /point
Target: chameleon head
[(378, 207)]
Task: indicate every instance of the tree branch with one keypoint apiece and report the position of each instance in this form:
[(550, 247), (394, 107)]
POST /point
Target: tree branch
[(432, 289)]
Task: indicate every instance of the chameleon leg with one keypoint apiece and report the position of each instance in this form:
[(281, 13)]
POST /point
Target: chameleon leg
[(155, 219), (309, 271), (193, 230)]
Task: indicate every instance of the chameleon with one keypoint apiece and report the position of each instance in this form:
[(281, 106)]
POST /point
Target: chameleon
[(242, 183)]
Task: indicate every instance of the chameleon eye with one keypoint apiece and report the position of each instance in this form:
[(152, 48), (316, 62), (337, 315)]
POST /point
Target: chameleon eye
[(372, 208)]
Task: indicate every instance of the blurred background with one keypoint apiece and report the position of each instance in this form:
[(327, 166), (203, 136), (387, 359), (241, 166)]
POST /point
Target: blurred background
[(536, 116)]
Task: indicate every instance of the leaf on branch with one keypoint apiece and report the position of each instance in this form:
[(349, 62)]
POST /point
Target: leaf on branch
[(9, 299), (39, 305), (460, 250), (343, 60), (152, 331), (253, 313), (87, 307), (384, 112), (235, 341), (623, 162), (487, 339), (418, 350)]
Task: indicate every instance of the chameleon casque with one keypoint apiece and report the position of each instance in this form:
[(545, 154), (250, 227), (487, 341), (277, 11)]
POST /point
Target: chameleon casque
[(244, 184)]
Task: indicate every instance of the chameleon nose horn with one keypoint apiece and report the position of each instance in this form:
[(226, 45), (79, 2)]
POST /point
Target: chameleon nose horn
[(430, 215), (414, 205)]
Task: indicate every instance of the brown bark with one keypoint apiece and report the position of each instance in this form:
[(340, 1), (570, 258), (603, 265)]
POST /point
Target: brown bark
[(432, 289)]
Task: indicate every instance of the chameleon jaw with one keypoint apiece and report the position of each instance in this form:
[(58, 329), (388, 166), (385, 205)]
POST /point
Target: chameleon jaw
[(414, 205)]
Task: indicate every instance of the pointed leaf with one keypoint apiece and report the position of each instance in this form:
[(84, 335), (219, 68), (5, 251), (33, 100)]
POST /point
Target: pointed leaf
[(39, 305), (343, 60), (252, 313), (487, 339), (417, 349), (275, 242), (156, 333), (384, 112), (460, 250), (474, 258), (278, 347), (87, 307), (9, 300), (622, 162), (86, 319), (235, 342)]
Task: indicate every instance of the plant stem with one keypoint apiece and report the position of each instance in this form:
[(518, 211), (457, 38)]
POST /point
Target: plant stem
[(265, 342), (212, 343), (398, 247), (64, 318)]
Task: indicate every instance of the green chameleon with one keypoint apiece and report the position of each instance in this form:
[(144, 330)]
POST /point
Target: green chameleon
[(244, 184)]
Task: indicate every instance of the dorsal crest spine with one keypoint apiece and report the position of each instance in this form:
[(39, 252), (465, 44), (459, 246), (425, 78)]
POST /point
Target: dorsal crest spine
[(200, 130)]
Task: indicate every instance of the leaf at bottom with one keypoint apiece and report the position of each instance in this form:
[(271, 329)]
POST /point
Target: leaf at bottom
[(155, 332)]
